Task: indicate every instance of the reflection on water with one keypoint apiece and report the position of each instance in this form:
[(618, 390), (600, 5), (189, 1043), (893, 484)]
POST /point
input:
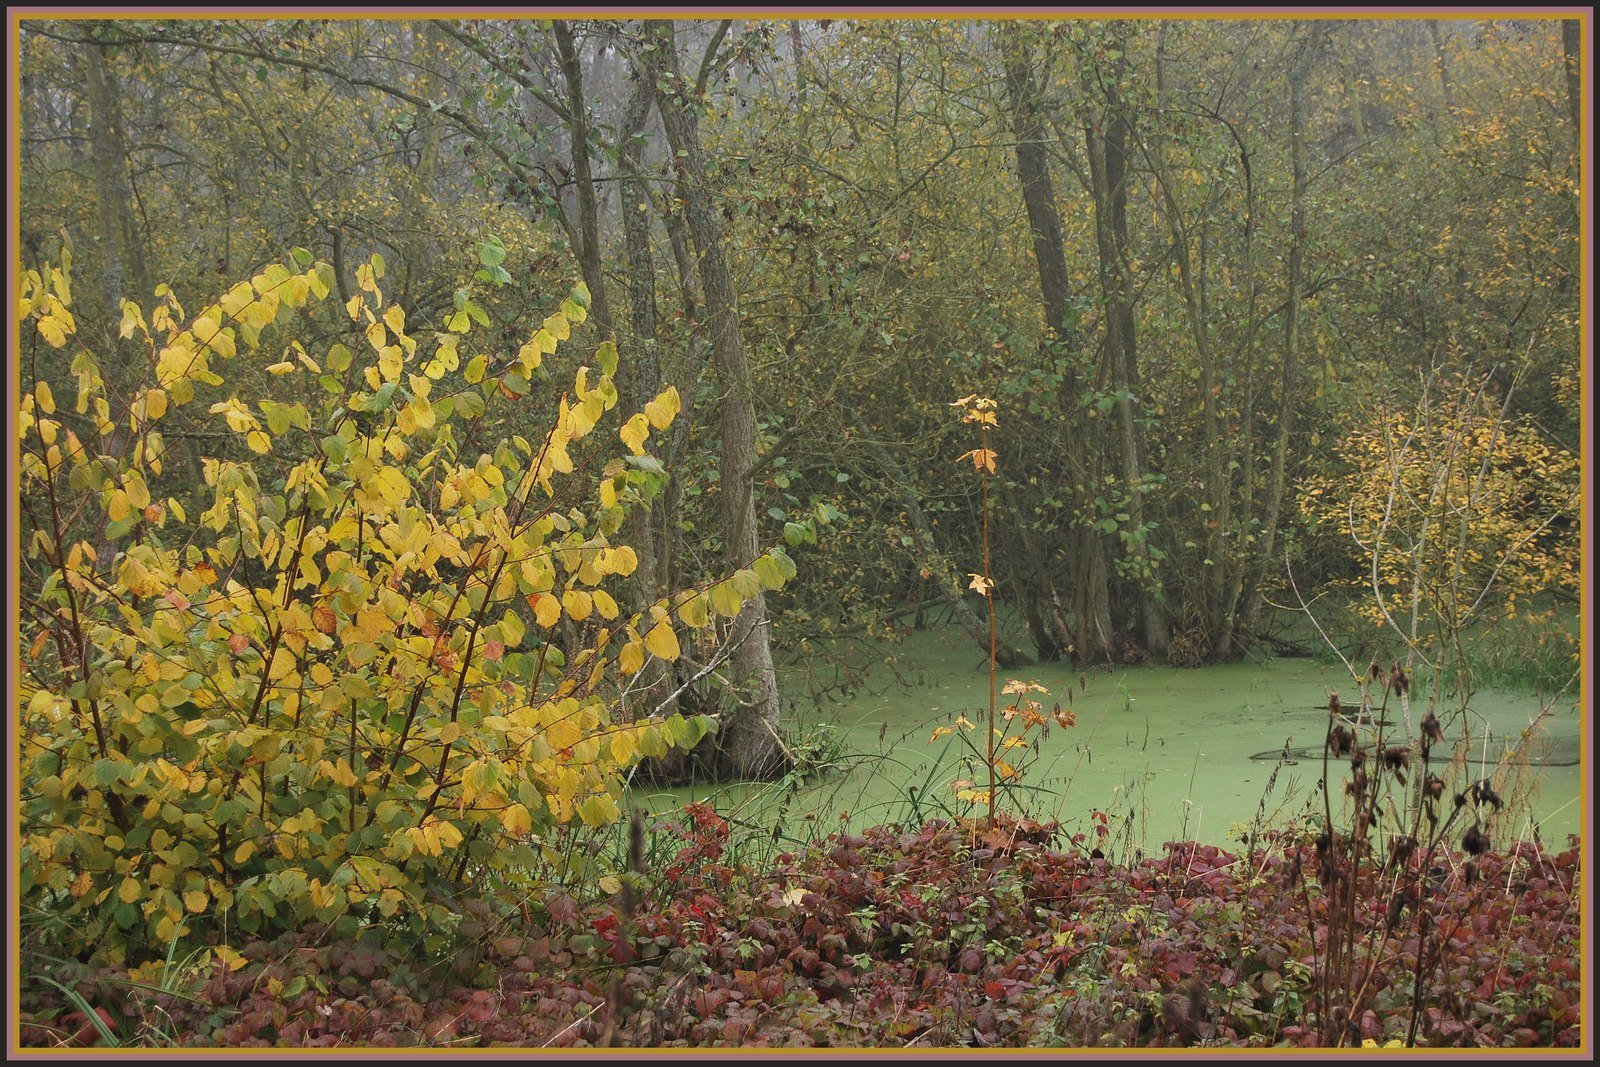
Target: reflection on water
[(1164, 753)]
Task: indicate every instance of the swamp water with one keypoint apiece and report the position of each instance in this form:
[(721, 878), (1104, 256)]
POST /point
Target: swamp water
[(1164, 753)]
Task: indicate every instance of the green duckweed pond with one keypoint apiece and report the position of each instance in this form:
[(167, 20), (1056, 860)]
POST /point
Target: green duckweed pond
[(1156, 753)]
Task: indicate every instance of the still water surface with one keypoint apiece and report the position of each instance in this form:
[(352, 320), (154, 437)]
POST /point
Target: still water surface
[(1164, 753)]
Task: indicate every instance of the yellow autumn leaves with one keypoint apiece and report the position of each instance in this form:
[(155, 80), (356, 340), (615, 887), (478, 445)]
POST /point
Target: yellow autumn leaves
[(374, 649)]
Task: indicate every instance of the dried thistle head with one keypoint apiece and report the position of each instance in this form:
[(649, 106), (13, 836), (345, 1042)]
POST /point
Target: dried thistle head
[(1483, 793), (1397, 907), (1396, 759), (1432, 730), (1403, 845), (1399, 684)]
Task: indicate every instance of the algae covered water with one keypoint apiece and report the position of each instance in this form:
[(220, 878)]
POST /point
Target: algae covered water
[(1156, 753)]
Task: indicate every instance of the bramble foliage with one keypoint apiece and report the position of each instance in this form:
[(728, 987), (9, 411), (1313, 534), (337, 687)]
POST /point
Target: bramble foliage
[(890, 939), (373, 660)]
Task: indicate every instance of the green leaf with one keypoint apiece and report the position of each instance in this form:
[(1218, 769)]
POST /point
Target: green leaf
[(746, 583), (646, 463), (725, 599), (773, 569)]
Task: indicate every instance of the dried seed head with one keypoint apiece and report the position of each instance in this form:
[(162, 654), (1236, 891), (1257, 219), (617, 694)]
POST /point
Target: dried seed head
[(1398, 682), (1433, 787), (1483, 793), (1397, 907), (1431, 729), (1374, 672), (1474, 843), (1403, 845), (1340, 741), (1396, 759), (1333, 703)]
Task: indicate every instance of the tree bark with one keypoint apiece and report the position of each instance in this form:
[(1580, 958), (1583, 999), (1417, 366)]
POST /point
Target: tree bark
[(1203, 619), (1107, 144), (590, 261), (749, 736), (420, 245), (124, 269), (641, 371), (1272, 512), (1571, 56), (1091, 587)]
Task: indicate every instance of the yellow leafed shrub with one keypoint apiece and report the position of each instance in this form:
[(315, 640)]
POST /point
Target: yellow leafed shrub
[(352, 653)]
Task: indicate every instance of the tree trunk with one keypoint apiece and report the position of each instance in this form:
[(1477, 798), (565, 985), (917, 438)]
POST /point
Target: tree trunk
[(749, 738), (1447, 85), (589, 256), (124, 270), (1272, 513), (1571, 55), (1091, 587), (641, 373), (420, 244), (1107, 144), (690, 371), (1202, 614)]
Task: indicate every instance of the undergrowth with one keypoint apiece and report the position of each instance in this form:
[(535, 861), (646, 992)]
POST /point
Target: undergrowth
[(948, 934)]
